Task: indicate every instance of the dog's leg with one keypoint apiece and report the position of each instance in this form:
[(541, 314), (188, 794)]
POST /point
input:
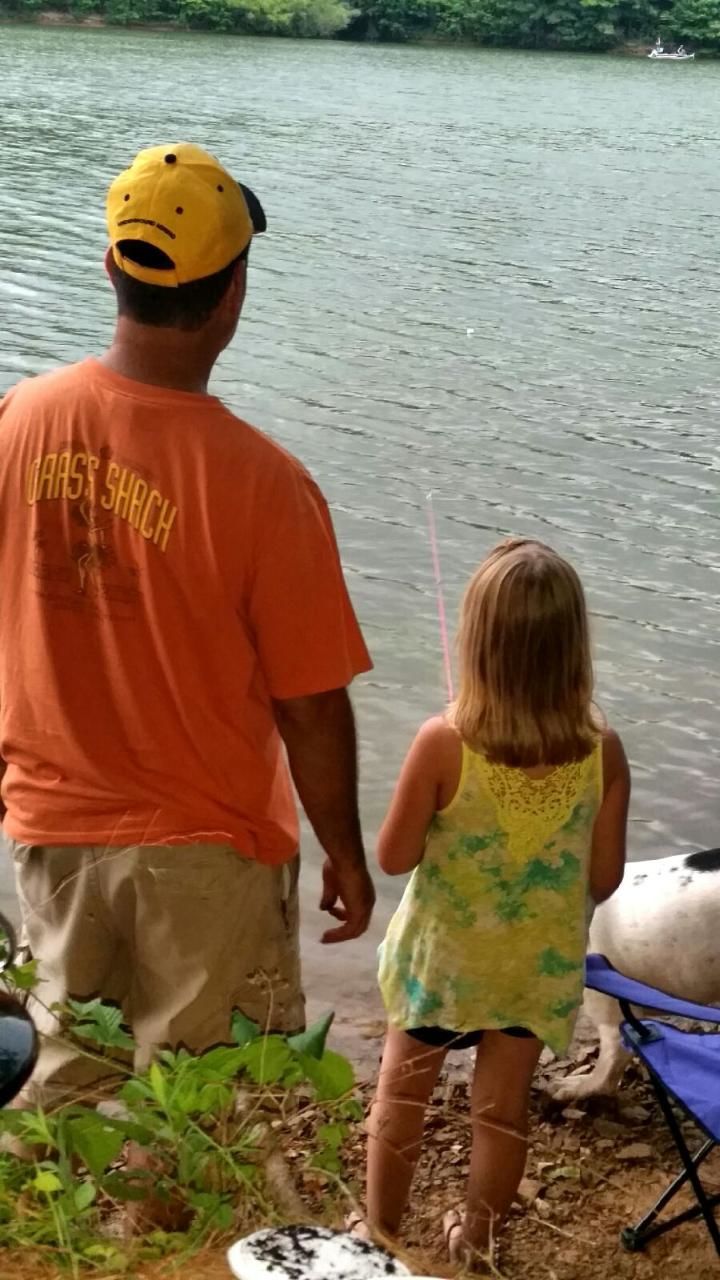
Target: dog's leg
[(612, 1059)]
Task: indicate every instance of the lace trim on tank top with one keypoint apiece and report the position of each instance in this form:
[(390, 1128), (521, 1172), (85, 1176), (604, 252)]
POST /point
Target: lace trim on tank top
[(530, 810)]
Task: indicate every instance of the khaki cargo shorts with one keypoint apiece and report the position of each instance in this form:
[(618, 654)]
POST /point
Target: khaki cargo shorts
[(178, 937)]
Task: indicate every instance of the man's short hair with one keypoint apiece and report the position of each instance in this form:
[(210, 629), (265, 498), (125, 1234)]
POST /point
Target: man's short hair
[(187, 306)]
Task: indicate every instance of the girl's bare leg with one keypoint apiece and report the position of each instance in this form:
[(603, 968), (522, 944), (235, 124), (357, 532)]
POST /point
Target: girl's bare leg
[(504, 1069), (408, 1075)]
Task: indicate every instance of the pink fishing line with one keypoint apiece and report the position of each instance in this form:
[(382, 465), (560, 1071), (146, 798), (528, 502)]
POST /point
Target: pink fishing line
[(442, 618)]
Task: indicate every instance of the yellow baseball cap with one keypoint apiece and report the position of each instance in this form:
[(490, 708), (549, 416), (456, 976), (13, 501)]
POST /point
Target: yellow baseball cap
[(176, 216)]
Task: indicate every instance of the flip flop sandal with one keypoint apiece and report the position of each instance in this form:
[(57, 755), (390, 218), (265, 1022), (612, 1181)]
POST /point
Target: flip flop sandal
[(355, 1225), (460, 1253), (453, 1236)]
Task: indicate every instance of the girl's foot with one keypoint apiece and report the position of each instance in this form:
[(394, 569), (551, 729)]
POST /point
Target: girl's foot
[(462, 1254), (453, 1236), (356, 1225)]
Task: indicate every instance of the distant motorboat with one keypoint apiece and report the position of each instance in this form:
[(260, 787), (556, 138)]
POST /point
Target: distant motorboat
[(659, 55)]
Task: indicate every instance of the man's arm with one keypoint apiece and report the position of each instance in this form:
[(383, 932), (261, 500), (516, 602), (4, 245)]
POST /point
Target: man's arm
[(319, 734)]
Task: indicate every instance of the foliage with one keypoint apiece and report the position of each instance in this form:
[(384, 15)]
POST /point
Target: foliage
[(289, 17), (207, 1127), (396, 19), (695, 22), (312, 18), (530, 24), (540, 24)]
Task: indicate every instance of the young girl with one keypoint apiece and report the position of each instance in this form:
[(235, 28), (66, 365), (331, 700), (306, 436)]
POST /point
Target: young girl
[(512, 811)]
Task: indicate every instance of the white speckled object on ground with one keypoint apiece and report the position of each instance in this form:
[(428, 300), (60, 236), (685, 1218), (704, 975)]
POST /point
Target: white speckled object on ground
[(310, 1253)]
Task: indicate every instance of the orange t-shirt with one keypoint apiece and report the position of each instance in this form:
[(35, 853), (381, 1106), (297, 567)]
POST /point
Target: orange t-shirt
[(165, 571)]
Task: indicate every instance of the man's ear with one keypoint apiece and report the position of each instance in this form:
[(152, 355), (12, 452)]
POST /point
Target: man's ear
[(235, 295), (239, 280), (108, 260)]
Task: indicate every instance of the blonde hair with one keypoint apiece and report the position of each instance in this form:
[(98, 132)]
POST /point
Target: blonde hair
[(526, 675)]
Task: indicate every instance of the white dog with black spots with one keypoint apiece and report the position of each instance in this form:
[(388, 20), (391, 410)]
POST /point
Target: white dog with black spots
[(661, 928)]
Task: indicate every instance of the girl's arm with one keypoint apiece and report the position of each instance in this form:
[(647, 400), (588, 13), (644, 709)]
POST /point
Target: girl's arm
[(428, 781), (607, 863)]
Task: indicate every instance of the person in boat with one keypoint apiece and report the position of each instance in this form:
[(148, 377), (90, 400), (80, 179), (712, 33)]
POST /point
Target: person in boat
[(658, 45), (681, 51)]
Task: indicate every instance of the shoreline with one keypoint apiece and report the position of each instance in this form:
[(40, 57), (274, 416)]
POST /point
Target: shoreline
[(96, 21)]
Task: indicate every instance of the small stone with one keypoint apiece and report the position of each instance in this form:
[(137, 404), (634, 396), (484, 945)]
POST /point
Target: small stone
[(605, 1128), (573, 1113), (113, 1109), (636, 1114), (586, 1054), (636, 1151), (528, 1191), (554, 1193), (568, 1172), (373, 1030)]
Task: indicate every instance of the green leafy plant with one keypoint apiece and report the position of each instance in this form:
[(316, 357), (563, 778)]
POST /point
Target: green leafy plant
[(194, 1144)]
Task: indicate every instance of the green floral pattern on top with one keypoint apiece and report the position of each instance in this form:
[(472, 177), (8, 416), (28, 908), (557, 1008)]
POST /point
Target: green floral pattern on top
[(492, 928)]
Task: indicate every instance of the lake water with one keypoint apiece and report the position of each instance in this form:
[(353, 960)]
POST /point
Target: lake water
[(490, 275)]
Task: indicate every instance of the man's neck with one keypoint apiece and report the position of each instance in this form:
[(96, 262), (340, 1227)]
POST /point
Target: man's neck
[(159, 358)]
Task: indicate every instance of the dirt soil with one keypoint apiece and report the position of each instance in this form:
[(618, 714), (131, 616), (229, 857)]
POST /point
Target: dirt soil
[(593, 1169)]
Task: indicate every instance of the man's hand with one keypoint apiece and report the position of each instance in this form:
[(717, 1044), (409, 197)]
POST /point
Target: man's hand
[(319, 733), (348, 895)]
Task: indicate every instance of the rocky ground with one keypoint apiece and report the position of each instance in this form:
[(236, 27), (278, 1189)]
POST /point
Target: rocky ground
[(593, 1169)]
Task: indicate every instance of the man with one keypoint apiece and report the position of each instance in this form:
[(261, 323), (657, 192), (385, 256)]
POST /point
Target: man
[(173, 623)]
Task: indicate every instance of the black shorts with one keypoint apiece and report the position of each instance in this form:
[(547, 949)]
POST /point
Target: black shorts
[(440, 1038)]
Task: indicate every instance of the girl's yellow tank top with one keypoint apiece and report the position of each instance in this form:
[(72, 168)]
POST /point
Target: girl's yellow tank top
[(492, 928)]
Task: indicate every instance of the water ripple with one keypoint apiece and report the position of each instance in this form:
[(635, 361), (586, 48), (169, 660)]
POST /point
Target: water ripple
[(478, 279)]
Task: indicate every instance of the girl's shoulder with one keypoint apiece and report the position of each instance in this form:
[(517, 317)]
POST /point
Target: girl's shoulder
[(614, 760), (438, 738), (438, 731), (441, 746)]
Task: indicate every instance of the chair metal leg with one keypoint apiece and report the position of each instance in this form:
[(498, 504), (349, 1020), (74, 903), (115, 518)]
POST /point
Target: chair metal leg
[(635, 1238), (674, 1187)]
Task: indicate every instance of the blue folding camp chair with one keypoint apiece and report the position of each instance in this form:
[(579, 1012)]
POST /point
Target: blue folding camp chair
[(684, 1069)]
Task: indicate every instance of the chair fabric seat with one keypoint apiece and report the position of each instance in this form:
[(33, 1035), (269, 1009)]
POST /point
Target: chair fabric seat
[(600, 975), (688, 1063), (684, 1068)]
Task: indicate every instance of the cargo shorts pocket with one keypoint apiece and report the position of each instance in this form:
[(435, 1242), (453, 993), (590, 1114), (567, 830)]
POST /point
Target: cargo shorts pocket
[(266, 964)]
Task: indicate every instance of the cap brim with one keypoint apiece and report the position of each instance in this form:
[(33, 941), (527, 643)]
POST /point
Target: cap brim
[(255, 209)]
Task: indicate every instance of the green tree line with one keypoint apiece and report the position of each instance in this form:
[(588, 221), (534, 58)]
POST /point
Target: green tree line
[(312, 18), (544, 24), (527, 24)]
